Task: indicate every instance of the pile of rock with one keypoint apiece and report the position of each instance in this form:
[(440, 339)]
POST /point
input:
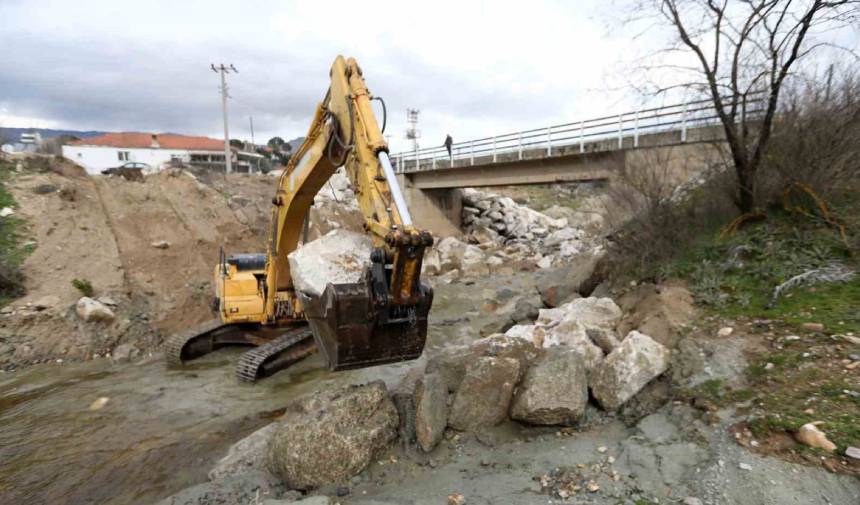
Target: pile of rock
[(455, 258), (538, 374), (339, 189), (580, 352), (488, 213), (515, 234)]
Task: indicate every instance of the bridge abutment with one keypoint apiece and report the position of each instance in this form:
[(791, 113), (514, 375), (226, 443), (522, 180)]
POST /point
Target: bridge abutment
[(435, 210)]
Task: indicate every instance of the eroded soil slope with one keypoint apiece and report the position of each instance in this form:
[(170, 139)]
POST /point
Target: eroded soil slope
[(102, 230)]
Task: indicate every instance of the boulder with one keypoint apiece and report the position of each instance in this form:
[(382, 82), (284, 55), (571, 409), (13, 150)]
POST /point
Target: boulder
[(526, 309), (573, 334), (502, 346), (545, 263), (431, 265), (329, 437), (571, 248), (470, 196), (558, 237), (450, 365), (494, 262), (627, 369), (474, 262), (530, 332), (403, 397), (560, 285), (451, 252), (597, 313), (483, 235), (338, 257), (431, 411), (124, 352), (92, 310), (810, 435), (160, 244), (605, 339), (246, 455), (485, 393), (554, 391), (662, 312)]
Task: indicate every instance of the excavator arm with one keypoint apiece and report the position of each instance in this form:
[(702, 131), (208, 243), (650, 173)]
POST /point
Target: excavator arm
[(383, 318)]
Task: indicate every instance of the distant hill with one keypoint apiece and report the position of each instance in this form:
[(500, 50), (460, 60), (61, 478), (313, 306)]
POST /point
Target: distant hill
[(13, 134), (295, 143)]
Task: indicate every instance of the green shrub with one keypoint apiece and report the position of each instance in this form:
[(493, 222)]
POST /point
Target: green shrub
[(84, 287), (11, 280)]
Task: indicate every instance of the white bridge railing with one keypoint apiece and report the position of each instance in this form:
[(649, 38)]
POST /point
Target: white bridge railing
[(590, 135)]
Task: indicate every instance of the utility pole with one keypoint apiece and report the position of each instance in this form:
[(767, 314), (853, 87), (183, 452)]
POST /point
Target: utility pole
[(223, 70), (251, 118)]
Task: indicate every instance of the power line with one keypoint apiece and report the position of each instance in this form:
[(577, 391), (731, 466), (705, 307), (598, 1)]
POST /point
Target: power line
[(224, 70)]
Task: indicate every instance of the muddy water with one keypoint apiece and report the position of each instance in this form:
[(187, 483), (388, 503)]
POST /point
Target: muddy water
[(160, 431)]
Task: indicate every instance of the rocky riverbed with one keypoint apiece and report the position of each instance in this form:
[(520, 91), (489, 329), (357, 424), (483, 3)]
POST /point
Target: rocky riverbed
[(497, 447), (539, 382)]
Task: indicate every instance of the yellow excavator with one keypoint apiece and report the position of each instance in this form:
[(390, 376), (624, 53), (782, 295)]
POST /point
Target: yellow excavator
[(382, 318)]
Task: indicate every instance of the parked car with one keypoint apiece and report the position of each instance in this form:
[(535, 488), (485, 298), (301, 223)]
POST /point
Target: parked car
[(131, 171)]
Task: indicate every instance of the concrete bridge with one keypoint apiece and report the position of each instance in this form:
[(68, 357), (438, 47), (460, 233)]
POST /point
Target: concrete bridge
[(678, 135)]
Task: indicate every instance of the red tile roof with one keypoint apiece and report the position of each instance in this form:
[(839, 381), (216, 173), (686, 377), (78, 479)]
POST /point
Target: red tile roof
[(144, 140)]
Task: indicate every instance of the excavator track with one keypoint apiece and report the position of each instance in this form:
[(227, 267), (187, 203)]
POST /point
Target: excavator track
[(276, 355), (175, 348)]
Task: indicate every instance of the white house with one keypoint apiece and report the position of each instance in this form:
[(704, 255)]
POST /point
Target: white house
[(28, 143), (156, 150)]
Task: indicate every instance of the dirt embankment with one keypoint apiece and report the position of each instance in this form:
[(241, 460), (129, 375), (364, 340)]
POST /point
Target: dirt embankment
[(102, 230)]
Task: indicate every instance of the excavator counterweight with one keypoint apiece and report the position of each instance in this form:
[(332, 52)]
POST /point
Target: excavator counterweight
[(380, 319)]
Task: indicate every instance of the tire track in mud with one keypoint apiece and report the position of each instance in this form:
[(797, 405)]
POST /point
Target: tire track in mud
[(126, 279)]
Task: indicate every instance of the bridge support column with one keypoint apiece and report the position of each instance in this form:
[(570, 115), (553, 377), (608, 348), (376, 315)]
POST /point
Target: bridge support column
[(435, 210)]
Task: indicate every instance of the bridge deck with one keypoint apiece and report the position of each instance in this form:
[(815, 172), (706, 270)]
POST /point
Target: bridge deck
[(566, 163)]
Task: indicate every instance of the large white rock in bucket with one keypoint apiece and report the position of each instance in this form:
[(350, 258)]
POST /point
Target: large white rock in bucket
[(338, 257)]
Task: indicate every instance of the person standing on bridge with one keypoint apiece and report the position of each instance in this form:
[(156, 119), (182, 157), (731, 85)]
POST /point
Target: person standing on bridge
[(448, 143)]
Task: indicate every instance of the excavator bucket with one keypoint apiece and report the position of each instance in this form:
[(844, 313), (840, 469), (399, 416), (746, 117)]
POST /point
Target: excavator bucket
[(353, 332)]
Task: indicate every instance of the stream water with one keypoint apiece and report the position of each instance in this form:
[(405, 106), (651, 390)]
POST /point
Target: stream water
[(160, 430)]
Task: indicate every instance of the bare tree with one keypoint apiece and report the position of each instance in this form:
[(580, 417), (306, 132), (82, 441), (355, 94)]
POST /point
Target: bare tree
[(743, 49)]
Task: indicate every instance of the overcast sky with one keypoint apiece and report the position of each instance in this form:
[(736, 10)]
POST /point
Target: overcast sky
[(472, 68)]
